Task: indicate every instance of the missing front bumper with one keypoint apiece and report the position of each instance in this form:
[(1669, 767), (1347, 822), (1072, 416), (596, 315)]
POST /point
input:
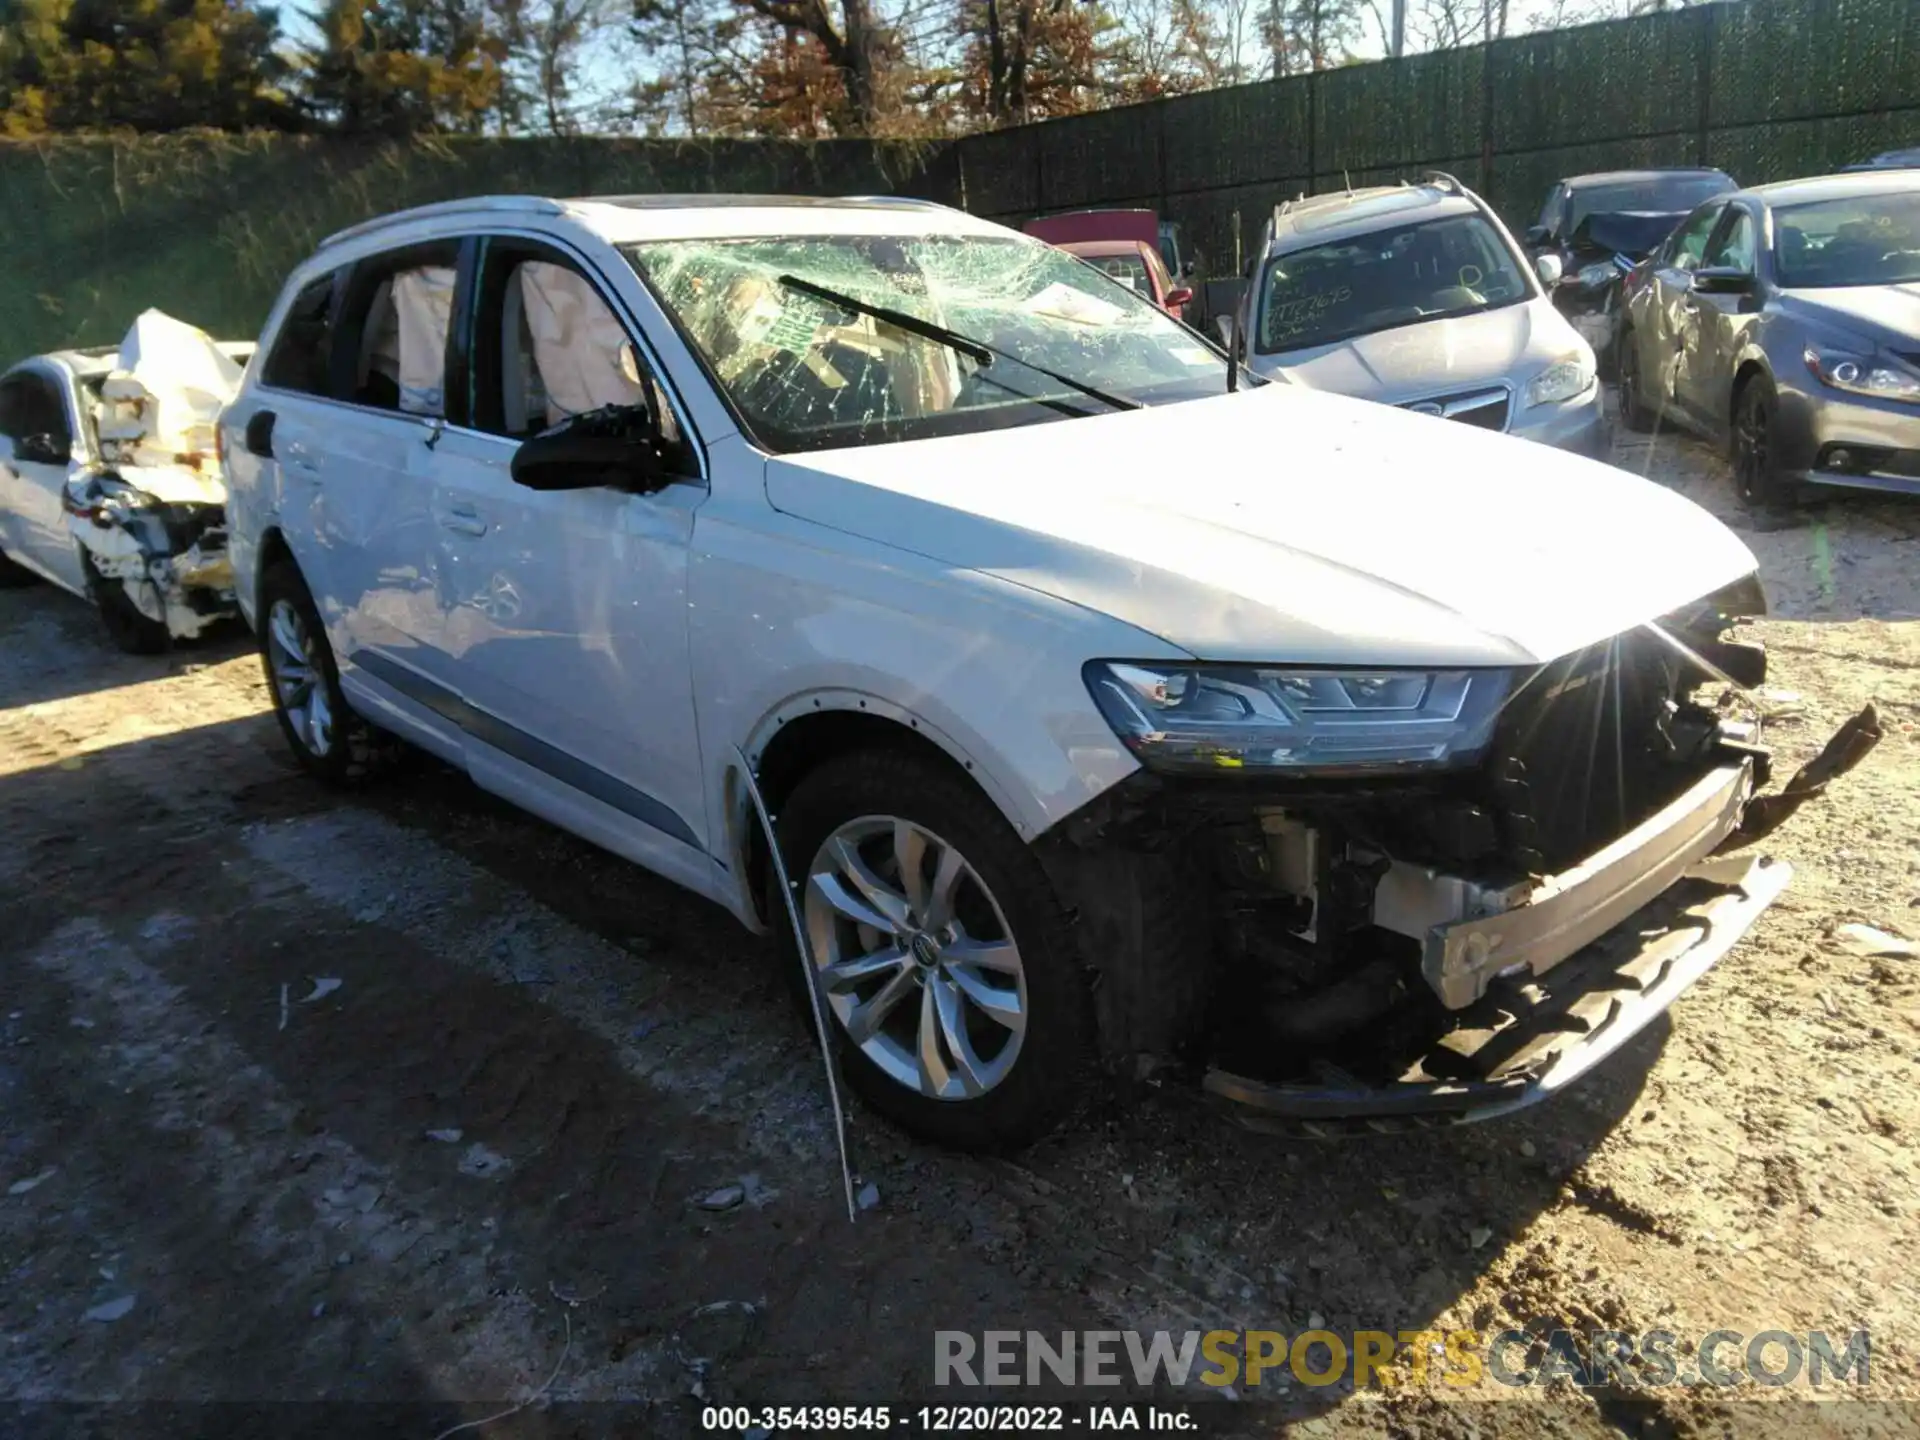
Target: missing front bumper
[(1530, 1037)]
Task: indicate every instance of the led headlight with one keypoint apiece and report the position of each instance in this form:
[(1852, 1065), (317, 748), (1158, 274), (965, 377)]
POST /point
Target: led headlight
[(1562, 380), (1297, 720), (1862, 374)]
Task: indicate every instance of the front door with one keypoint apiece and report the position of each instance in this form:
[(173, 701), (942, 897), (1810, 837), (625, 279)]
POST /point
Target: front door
[(1717, 327), (35, 464), (1664, 340), (564, 614)]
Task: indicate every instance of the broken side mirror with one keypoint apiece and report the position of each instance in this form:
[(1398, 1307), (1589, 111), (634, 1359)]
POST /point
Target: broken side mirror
[(41, 450), (618, 447), (1178, 296)]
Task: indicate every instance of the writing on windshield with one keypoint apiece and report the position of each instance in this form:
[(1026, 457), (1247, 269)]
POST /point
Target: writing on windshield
[(805, 373), (1387, 278)]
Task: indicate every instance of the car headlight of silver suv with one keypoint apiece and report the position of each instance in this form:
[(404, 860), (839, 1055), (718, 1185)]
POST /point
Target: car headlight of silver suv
[(1562, 380), (1209, 718), (1862, 374)]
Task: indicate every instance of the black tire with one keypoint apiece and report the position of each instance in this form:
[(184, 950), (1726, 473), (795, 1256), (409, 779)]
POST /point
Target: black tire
[(1634, 412), (14, 576), (126, 625), (1754, 446), (1049, 1072), (335, 745)]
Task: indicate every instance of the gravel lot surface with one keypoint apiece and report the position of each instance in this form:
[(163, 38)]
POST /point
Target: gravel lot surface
[(410, 1097)]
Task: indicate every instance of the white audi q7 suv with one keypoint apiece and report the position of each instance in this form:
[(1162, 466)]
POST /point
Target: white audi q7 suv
[(1111, 715)]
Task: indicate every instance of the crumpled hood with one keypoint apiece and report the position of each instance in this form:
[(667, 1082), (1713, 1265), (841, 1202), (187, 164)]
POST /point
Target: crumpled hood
[(1434, 357), (1284, 525), (1886, 314)]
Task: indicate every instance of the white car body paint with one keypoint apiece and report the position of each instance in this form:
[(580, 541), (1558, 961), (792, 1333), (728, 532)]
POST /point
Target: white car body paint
[(957, 585)]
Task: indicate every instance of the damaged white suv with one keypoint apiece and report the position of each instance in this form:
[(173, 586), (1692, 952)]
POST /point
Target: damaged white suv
[(1286, 742), (109, 484)]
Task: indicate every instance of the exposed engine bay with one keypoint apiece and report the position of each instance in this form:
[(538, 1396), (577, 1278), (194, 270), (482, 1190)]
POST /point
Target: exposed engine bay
[(1396, 950), (150, 516)]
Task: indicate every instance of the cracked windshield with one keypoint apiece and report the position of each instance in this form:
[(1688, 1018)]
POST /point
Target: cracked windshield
[(1008, 333), (1390, 277)]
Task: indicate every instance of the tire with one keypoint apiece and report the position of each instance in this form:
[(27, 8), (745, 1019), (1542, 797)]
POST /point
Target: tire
[(329, 740), (14, 576), (1001, 1087), (126, 624), (1754, 446), (1634, 413)]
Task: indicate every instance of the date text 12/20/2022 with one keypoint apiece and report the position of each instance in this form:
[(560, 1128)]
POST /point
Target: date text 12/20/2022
[(770, 1420)]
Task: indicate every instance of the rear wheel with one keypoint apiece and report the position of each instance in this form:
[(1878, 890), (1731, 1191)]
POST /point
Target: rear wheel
[(328, 738), (1634, 411), (953, 993), (127, 625), (1756, 456)]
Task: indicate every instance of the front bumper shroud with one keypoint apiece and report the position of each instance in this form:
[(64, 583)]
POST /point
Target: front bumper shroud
[(1548, 990)]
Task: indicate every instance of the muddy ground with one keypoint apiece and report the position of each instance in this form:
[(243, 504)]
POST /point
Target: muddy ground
[(474, 1166)]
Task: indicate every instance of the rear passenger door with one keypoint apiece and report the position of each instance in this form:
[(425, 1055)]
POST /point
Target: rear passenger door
[(353, 424), (564, 613)]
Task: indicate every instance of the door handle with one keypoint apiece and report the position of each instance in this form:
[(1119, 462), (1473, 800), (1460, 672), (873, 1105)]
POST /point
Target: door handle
[(463, 520)]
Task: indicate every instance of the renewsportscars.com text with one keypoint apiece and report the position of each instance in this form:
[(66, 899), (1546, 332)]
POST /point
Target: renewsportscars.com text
[(1378, 1358)]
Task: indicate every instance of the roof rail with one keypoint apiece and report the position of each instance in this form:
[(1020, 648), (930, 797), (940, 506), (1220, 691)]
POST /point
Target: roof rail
[(1446, 181), (495, 204)]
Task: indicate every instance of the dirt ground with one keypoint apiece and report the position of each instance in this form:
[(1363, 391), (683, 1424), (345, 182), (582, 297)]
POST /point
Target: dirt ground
[(472, 1164)]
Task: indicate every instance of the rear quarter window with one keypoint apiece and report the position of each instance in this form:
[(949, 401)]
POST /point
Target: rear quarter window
[(302, 351)]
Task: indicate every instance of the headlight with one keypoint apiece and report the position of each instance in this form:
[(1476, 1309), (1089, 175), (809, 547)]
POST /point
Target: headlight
[(1862, 374), (1561, 380), (1233, 717), (1596, 275)]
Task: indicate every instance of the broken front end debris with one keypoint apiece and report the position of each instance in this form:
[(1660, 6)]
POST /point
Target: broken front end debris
[(1383, 945), (150, 519)]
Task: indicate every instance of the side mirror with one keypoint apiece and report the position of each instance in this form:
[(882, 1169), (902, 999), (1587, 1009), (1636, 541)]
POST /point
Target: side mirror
[(1538, 235), (1549, 269), (41, 450), (1722, 280), (617, 447), (1178, 296)]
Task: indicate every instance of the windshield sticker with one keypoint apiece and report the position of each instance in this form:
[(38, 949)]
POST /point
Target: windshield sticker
[(1063, 302)]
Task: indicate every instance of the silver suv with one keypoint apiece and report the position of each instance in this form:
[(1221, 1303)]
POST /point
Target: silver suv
[(1417, 296)]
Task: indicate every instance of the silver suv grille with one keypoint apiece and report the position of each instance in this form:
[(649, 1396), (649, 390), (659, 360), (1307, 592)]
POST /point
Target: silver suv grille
[(1487, 409)]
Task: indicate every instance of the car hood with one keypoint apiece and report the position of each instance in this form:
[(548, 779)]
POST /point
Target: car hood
[(1284, 525), (1883, 312), (1433, 357)]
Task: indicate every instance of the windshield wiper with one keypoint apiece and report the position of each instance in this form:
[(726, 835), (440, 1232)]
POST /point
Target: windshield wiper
[(976, 350)]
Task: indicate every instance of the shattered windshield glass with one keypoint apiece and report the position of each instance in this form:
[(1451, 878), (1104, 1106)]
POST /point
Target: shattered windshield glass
[(808, 374), (1427, 270)]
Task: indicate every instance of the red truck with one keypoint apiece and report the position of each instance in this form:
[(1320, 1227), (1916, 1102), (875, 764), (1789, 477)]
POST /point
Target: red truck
[(1135, 247)]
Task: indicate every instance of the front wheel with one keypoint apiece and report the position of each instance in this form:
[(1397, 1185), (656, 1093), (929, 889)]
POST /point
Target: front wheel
[(1756, 455), (328, 739), (127, 625), (952, 990)]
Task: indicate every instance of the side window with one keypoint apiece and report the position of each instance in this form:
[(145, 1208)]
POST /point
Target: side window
[(548, 346), (1733, 246), (389, 350), (1550, 213), (32, 405), (12, 406), (1689, 242), (302, 351)]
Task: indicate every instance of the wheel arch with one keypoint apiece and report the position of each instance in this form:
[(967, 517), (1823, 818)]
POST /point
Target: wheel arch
[(803, 734)]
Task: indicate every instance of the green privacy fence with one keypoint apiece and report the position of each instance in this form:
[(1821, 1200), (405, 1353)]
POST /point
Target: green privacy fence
[(207, 226), (1766, 89)]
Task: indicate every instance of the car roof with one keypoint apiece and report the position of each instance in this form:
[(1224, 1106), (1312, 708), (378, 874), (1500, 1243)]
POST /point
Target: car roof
[(624, 219), (1629, 177), (1318, 219), (1836, 187), (1105, 247)]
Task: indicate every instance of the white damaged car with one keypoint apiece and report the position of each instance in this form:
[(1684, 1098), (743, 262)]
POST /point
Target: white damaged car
[(1383, 781), (109, 484)]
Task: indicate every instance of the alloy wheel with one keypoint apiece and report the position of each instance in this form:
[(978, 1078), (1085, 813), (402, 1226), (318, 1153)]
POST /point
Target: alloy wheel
[(298, 683), (1753, 444), (914, 958)]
